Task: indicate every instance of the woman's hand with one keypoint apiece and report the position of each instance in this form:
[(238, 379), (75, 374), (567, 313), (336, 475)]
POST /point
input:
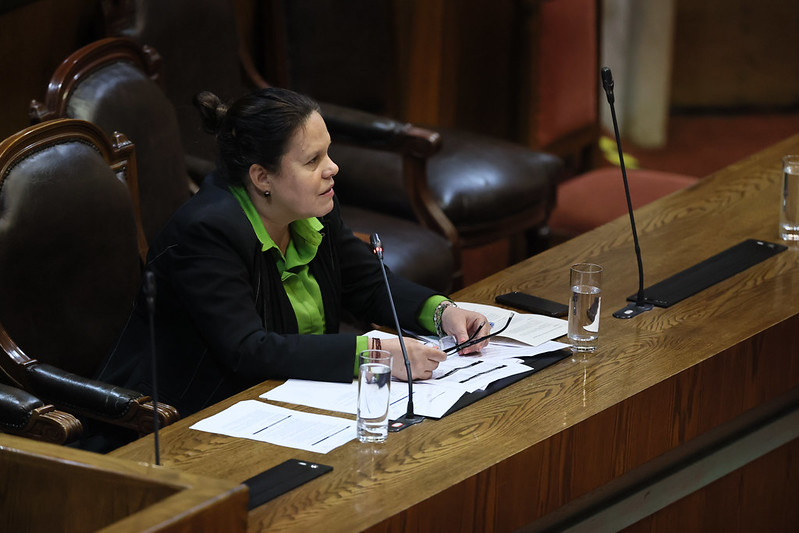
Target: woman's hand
[(423, 358), (463, 324)]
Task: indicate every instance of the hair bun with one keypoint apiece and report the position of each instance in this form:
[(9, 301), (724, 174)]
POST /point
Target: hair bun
[(212, 110)]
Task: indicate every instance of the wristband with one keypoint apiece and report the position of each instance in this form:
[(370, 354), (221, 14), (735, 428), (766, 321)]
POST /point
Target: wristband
[(439, 313)]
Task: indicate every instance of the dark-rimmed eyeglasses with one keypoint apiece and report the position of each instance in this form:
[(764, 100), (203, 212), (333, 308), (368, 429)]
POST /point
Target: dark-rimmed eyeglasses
[(472, 340)]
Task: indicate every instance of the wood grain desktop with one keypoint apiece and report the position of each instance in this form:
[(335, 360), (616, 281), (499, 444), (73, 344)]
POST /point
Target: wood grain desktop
[(662, 390)]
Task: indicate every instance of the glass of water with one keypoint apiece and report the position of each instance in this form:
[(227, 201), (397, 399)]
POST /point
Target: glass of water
[(586, 295), (789, 207), (374, 385)]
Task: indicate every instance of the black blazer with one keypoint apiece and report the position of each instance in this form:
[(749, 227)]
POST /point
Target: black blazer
[(223, 321)]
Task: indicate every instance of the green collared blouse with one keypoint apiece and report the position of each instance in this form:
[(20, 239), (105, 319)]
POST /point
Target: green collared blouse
[(300, 286)]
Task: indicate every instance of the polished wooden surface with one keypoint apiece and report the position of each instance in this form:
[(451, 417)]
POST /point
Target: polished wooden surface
[(55, 488), (655, 383)]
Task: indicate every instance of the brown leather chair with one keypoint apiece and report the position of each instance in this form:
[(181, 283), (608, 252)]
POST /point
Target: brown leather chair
[(25, 415), (114, 83), (71, 250), (199, 45), (476, 190)]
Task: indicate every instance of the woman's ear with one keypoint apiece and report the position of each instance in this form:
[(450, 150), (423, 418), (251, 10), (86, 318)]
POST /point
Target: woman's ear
[(259, 178)]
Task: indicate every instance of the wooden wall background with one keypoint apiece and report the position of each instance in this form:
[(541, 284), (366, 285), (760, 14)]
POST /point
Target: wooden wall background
[(728, 54), (733, 54)]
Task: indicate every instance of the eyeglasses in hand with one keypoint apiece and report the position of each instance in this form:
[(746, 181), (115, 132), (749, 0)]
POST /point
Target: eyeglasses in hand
[(472, 340)]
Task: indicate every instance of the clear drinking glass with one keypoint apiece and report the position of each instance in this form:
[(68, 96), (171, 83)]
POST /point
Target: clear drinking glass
[(374, 385), (789, 207), (584, 305)]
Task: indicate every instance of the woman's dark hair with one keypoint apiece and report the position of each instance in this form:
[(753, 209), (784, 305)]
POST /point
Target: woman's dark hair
[(255, 129)]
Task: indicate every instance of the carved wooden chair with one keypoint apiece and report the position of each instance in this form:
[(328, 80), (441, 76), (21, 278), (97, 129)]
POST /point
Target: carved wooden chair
[(25, 415), (71, 250), (114, 83)]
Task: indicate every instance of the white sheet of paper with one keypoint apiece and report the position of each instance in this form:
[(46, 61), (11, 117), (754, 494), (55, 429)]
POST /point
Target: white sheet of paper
[(469, 374), (509, 349), (428, 400), (343, 397), (251, 419), (433, 397), (528, 328)]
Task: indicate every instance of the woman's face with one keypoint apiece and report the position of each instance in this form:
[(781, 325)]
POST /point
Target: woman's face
[(303, 185)]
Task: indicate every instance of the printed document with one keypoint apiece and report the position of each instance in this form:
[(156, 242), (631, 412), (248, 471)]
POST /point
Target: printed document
[(251, 419)]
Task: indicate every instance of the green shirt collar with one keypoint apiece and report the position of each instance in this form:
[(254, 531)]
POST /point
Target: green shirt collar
[(306, 233)]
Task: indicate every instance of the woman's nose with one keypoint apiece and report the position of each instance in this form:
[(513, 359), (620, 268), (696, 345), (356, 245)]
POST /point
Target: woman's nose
[(332, 169)]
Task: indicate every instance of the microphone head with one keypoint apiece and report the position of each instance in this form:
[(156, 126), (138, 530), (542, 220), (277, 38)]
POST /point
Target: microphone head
[(607, 83), (377, 246)]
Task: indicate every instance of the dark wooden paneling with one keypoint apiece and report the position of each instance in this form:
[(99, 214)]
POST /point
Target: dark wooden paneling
[(736, 53), (34, 39), (761, 496)]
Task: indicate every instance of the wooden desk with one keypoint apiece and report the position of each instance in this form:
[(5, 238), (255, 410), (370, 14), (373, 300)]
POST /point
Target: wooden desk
[(662, 391), (46, 487)]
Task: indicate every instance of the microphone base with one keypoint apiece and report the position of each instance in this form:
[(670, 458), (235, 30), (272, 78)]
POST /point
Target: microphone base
[(633, 309), (403, 422)]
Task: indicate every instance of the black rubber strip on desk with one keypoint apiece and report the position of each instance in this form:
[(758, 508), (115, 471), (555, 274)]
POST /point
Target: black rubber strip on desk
[(709, 272)]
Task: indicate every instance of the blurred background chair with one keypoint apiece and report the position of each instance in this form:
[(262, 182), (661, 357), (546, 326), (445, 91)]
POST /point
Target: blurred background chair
[(471, 192), (114, 83), (70, 263), (476, 190), (25, 415), (200, 48), (564, 118)]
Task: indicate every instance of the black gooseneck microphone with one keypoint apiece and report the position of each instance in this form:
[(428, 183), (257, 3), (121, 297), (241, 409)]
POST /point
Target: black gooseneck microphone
[(149, 292), (409, 418), (639, 305)]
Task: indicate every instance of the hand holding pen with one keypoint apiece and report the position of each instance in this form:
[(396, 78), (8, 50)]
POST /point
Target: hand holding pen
[(472, 343), (471, 330), (475, 340)]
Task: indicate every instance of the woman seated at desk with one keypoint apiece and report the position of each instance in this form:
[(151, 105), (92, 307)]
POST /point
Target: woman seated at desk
[(255, 267)]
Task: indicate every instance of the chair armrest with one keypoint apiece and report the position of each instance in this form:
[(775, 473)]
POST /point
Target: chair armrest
[(23, 414), (412, 143), (98, 400), (380, 133)]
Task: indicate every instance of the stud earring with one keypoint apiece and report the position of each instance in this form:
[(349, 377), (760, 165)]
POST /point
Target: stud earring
[(267, 194)]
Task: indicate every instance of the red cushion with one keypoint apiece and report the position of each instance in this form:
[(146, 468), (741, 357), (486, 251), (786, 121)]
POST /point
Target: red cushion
[(597, 197)]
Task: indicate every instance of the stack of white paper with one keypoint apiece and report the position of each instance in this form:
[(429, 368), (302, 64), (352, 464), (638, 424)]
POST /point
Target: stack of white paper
[(528, 335), (251, 419)]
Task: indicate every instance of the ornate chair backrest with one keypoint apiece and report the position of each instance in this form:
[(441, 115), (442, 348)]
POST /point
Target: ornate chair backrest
[(114, 84), (71, 246)]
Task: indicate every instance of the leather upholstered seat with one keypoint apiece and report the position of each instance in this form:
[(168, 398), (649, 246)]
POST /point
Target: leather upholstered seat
[(71, 250), (114, 83)]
